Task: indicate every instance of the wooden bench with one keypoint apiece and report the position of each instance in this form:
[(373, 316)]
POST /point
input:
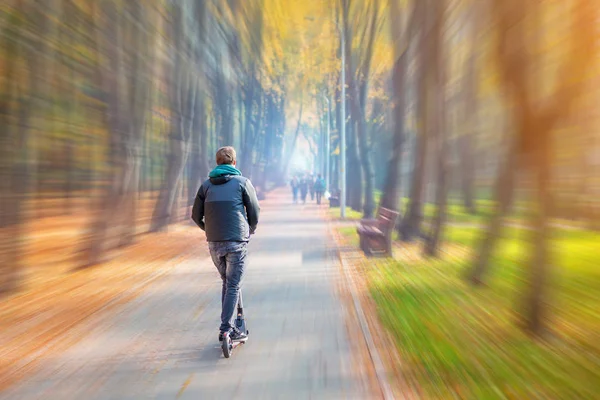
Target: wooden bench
[(376, 234)]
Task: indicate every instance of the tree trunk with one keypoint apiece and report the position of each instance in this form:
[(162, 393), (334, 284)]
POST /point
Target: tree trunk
[(222, 107), (15, 136), (539, 271), (69, 178), (199, 162), (267, 151), (127, 89), (361, 98), (169, 194), (439, 127), (411, 223), (336, 119), (390, 198), (322, 132), (183, 93), (293, 147), (469, 112), (109, 36), (534, 128), (193, 168), (10, 203), (504, 189), (246, 156), (258, 124), (227, 123), (367, 167), (128, 209), (467, 173), (203, 127), (354, 178), (139, 94), (594, 199)]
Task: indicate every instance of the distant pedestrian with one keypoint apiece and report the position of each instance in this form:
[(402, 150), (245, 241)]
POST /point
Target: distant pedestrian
[(311, 187), (295, 185), (303, 189), (320, 188)]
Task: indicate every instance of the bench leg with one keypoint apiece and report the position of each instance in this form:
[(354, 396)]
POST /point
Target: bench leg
[(367, 248), (364, 245), (388, 247)]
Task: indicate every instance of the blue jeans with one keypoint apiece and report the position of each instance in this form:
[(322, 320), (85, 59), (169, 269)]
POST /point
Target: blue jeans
[(230, 260)]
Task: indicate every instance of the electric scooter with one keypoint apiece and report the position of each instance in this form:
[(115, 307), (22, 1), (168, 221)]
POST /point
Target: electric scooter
[(228, 344)]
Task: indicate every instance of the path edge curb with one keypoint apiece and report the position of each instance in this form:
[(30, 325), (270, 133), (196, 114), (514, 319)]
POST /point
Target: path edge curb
[(380, 370)]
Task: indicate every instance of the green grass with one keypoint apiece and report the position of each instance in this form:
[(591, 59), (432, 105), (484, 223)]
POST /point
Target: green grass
[(457, 214), (349, 233), (457, 341), (351, 215)]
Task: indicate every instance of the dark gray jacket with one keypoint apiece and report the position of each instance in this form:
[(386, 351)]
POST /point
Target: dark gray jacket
[(226, 208)]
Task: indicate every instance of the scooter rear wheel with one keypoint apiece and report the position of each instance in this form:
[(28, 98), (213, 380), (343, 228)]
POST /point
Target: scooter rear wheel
[(226, 345)]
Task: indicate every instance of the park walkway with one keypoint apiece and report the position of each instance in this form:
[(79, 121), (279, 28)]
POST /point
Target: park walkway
[(163, 344)]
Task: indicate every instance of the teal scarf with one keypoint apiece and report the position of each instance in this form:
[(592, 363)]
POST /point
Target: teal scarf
[(224, 169)]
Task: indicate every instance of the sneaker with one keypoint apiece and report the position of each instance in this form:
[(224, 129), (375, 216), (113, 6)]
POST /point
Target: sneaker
[(238, 336), (220, 336)]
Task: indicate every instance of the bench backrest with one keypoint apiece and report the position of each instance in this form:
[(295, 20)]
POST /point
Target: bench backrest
[(386, 219)]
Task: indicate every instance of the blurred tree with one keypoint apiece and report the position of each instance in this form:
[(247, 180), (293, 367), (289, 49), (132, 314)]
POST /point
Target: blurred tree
[(354, 175), (360, 83), (290, 153), (184, 85), (468, 108), (402, 36), (536, 116), (437, 122), (251, 86), (10, 150), (24, 29), (411, 223), (125, 73)]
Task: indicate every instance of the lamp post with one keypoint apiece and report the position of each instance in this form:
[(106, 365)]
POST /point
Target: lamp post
[(327, 144), (343, 128)]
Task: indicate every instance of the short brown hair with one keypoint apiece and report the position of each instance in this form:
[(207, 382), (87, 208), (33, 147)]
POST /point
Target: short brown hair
[(225, 155)]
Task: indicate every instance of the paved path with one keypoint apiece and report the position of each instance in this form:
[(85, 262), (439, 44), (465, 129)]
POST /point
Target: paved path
[(163, 345)]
